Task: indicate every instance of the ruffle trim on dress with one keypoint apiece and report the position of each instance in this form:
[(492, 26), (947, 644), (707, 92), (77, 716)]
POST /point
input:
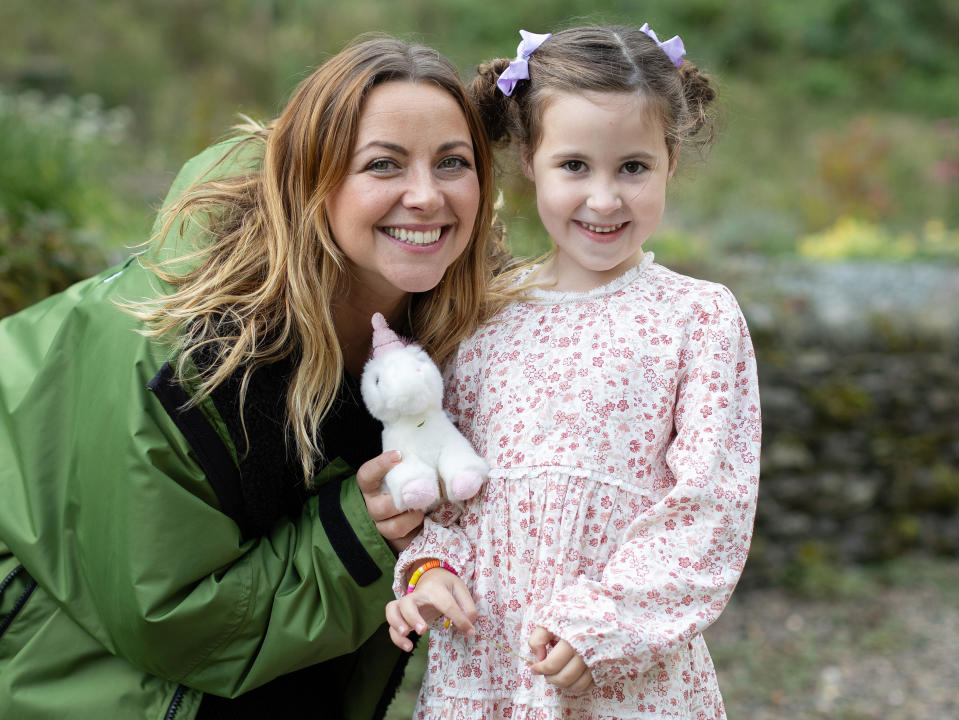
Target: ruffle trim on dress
[(544, 295)]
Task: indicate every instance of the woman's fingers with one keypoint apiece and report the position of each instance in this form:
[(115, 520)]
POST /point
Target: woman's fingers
[(397, 527), (370, 475)]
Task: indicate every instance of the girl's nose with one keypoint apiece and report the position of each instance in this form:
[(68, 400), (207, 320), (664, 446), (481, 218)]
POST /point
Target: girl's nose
[(422, 193), (604, 198)]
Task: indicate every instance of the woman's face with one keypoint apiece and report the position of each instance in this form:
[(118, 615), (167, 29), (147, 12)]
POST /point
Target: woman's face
[(406, 208)]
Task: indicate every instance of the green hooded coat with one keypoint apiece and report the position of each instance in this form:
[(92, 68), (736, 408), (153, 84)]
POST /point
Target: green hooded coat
[(126, 590)]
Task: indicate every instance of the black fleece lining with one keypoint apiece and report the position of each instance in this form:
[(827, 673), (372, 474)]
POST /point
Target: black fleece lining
[(211, 453), (343, 539)]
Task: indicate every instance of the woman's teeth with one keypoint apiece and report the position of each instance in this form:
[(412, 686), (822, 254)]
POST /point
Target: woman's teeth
[(602, 228), (414, 237)]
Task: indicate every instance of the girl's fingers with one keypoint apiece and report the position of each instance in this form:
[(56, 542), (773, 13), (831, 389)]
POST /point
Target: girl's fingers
[(562, 666), (583, 684), (394, 616), (401, 641), (458, 618), (539, 639), (464, 601), (404, 616)]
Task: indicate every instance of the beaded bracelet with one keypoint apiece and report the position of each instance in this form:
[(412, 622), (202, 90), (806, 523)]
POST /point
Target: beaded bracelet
[(428, 565)]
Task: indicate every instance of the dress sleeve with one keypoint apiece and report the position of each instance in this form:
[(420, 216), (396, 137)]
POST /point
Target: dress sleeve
[(441, 538), (681, 557)]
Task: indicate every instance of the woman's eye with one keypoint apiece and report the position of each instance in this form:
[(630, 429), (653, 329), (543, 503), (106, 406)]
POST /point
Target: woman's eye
[(633, 167), (454, 163), (381, 165), (575, 166)]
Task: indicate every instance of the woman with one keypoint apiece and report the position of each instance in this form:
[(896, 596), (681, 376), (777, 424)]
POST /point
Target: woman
[(181, 534)]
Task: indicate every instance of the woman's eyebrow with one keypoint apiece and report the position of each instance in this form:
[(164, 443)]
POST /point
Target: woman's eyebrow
[(453, 144), (400, 150)]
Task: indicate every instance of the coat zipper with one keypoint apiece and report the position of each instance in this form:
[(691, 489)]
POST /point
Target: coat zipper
[(20, 602), (175, 702)]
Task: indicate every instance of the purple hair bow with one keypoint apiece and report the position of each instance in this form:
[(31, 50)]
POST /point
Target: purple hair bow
[(519, 68), (673, 47)]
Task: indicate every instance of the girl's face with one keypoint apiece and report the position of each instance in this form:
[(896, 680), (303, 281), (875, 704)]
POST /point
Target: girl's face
[(600, 171), (406, 208)]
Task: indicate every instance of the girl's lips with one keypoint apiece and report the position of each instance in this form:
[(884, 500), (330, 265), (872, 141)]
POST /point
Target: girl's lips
[(602, 233)]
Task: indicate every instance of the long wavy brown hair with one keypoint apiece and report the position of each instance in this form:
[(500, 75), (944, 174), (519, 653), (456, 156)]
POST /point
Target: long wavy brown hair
[(266, 267)]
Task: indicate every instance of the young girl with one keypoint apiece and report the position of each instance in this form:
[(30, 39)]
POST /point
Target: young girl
[(617, 406)]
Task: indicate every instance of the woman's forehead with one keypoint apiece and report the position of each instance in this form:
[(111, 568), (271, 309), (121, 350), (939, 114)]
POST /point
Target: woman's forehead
[(406, 111)]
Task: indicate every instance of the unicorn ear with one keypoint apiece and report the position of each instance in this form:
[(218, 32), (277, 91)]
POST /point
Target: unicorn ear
[(384, 339)]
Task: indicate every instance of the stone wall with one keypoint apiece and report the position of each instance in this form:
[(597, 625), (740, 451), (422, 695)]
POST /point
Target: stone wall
[(859, 377)]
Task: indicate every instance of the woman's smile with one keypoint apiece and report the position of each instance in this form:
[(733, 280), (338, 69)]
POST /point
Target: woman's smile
[(422, 237), (407, 206)]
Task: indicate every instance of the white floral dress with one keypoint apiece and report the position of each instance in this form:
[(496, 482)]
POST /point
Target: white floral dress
[(622, 428)]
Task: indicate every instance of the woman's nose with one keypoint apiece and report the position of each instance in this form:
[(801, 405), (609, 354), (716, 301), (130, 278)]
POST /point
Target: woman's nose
[(422, 192), (604, 198)]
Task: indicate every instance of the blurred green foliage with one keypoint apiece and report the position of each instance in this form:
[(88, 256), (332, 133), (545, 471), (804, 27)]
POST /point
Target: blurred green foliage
[(60, 214), (831, 109)]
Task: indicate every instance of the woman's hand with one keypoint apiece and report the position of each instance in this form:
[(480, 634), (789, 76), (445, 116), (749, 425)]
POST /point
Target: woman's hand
[(561, 665), (438, 592), (397, 528)]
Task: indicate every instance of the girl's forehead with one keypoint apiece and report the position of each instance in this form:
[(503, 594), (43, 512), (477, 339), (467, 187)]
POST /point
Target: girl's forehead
[(596, 109), (612, 101)]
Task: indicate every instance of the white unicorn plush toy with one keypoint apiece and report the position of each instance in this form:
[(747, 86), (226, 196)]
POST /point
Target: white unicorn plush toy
[(403, 389)]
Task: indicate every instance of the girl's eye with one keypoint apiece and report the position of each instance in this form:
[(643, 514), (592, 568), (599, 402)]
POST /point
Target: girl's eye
[(454, 162), (633, 167), (381, 165), (575, 166)]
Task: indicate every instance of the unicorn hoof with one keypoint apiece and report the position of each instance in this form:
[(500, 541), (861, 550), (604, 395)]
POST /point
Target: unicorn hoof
[(465, 485), (420, 493)]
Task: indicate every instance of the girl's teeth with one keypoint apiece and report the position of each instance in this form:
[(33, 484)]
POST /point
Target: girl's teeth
[(604, 228), (414, 237)]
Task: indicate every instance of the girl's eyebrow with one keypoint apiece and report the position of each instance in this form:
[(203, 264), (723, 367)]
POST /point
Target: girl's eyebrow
[(400, 150), (575, 154)]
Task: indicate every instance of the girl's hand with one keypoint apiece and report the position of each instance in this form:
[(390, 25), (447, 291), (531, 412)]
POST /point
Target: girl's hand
[(438, 592), (397, 528), (561, 665)]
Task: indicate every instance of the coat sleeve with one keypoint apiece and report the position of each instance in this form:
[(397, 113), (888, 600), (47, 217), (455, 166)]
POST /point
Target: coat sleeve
[(105, 504), (683, 555)]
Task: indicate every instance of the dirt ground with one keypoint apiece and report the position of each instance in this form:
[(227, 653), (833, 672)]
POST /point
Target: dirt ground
[(885, 646)]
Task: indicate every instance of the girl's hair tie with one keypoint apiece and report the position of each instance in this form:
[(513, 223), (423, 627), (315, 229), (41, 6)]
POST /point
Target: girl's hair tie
[(673, 47), (519, 68)]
